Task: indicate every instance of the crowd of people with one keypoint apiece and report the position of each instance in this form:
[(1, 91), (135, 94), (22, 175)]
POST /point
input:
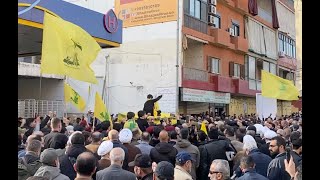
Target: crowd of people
[(229, 147)]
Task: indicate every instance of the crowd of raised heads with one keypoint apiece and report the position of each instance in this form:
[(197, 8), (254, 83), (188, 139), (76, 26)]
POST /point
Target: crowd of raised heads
[(140, 146)]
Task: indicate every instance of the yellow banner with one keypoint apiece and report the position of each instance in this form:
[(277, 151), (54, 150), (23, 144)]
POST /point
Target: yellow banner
[(275, 87), (143, 12)]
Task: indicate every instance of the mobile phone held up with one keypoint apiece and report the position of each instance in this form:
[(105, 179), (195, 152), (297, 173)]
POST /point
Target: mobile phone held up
[(288, 155)]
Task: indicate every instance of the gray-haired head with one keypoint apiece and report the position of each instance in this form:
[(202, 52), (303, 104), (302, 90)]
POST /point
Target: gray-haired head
[(246, 162), (222, 166), (117, 156)]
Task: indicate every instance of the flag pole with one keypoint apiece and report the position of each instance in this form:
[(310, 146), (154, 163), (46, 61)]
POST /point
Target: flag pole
[(65, 103)]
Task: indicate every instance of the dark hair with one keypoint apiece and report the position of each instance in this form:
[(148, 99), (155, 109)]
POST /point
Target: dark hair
[(34, 146), (239, 136), (213, 133), (96, 136), (149, 96), (247, 162), (242, 130), (280, 141), (294, 135), (157, 130), (229, 130), (117, 126), (141, 113), (173, 134), (86, 135), (184, 133), (28, 122), (59, 141), (296, 143), (78, 120), (105, 125), (86, 164), (130, 115), (202, 135), (78, 138)]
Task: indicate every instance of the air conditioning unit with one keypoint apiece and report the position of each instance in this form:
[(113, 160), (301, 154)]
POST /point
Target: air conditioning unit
[(211, 20), (212, 9), (213, 2), (231, 32), (281, 54)]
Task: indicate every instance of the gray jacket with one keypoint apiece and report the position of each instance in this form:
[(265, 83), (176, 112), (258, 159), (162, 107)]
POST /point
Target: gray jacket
[(185, 145), (115, 172), (53, 173), (144, 147)]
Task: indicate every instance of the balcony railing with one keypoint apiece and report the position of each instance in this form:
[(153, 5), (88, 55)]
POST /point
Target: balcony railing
[(195, 24), (195, 74)]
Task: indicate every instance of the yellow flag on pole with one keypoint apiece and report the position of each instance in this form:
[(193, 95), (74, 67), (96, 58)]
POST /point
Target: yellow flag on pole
[(70, 95), (100, 110), (273, 86), (67, 49), (203, 128)]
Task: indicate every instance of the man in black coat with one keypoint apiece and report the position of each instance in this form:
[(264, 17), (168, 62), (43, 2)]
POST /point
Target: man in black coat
[(149, 104)]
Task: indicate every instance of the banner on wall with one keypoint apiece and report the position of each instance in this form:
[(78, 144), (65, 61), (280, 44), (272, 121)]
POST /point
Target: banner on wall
[(265, 106), (143, 12)]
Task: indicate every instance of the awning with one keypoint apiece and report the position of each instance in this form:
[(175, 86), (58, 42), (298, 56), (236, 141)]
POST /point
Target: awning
[(30, 24)]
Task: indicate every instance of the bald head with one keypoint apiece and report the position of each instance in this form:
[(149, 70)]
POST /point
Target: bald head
[(113, 135), (163, 136), (96, 137)]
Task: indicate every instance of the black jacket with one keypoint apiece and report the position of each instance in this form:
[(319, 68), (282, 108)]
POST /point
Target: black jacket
[(149, 105), (215, 149), (164, 152), (67, 160), (143, 124), (276, 169)]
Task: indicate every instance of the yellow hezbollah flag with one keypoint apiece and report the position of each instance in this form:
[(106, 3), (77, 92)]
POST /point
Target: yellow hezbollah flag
[(67, 50), (100, 110), (275, 87), (203, 128), (70, 95), (156, 109)]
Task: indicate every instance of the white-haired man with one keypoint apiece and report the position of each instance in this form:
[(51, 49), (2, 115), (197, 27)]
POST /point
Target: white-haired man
[(115, 171)]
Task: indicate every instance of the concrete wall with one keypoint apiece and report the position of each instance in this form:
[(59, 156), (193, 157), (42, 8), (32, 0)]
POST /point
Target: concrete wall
[(29, 88)]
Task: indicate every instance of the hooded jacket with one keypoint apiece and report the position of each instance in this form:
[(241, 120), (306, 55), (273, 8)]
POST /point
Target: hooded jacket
[(50, 172), (67, 160), (164, 151), (185, 145)]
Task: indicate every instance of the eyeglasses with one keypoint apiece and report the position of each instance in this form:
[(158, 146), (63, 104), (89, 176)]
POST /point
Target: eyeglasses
[(214, 172)]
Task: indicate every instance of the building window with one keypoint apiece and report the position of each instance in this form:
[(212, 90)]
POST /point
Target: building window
[(287, 45), (198, 9), (214, 65), (236, 70), (217, 21), (236, 29)]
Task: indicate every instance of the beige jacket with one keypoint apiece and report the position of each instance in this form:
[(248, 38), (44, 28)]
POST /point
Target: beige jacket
[(181, 174)]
